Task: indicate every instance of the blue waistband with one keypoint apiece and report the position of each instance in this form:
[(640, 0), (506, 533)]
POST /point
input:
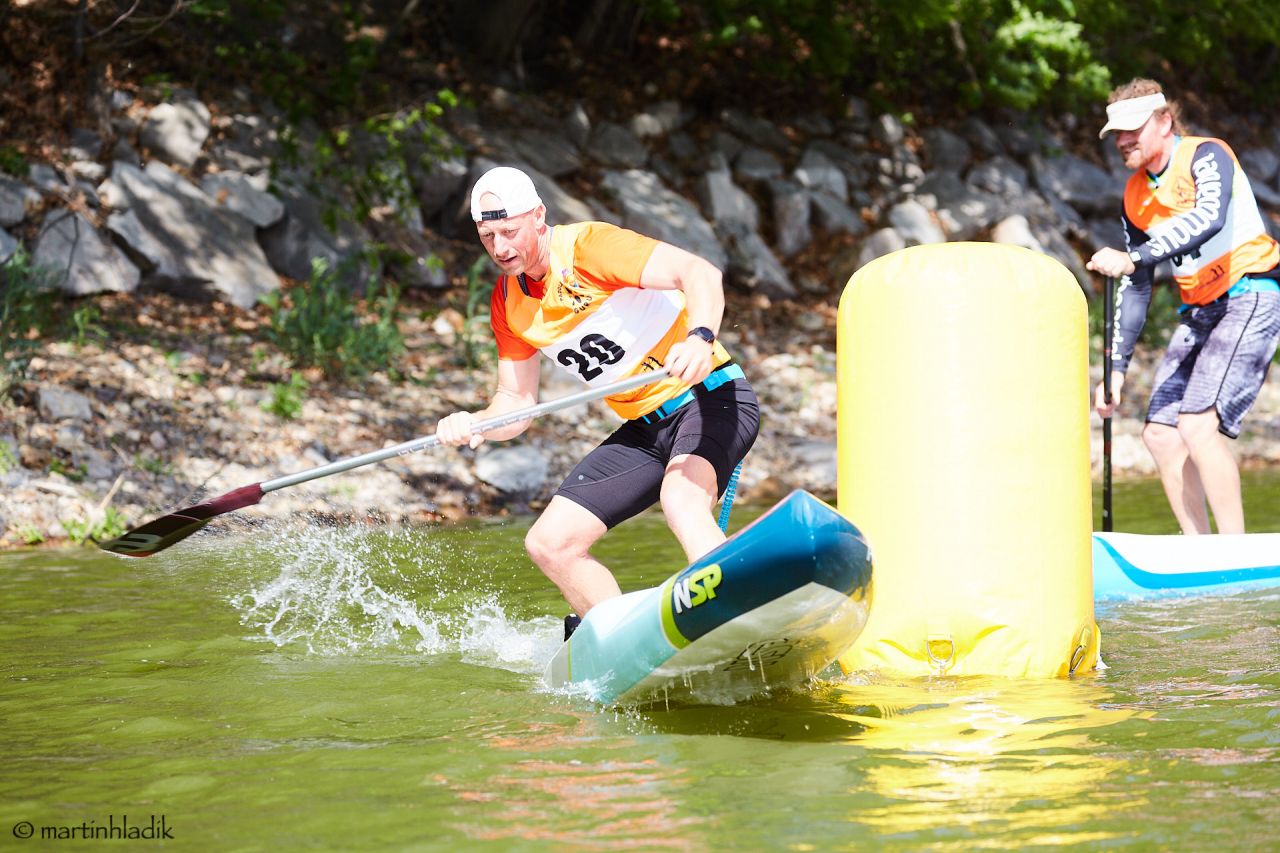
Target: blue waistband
[(1247, 284), (728, 373)]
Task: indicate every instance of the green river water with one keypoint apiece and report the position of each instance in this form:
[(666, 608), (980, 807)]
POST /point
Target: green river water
[(280, 688)]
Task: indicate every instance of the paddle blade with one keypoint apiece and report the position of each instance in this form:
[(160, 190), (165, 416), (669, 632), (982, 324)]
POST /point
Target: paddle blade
[(168, 529)]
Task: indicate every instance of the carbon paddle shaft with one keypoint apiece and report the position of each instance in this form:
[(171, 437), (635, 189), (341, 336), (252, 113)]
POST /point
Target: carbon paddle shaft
[(417, 444), (1108, 320)]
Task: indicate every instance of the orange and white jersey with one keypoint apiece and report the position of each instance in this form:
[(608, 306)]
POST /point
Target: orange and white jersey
[(590, 316), (1201, 214)]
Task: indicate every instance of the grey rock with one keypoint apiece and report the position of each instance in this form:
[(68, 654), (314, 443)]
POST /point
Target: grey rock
[(658, 120), (982, 137), (1105, 232), (1000, 176), (753, 265), (187, 238), (46, 178), (963, 210), (302, 235), (813, 464), (790, 217), (886, 241), (756, 164), (249, 144), (79, 260), (888, 130), (437, 181), (614, 145), (682, 146), (947, 151), (1019, 140), (726, 204), (57, 404), (858, 113), (1260, 164), (245, 196), (519, 470), (727, 145), (87, 170), (548, 152), (817, 172), (16, 200), (814, 124), (577, 125), (761, 130), (857, 166), (834, 216), (1016, 231), (651, 208), (176, 130), (1077, 182), (913, 223), (126, 153), (8, 246), (85, 144), (1266, 196)]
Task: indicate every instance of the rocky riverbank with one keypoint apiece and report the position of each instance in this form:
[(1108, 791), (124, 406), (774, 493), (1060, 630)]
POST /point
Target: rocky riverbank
[(177, 215)]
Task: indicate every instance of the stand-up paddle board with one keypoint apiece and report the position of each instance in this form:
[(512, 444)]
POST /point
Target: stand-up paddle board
[(1132, 565), (771, 607)]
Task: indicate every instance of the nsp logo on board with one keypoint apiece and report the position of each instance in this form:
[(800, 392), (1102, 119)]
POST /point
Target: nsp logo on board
[(698, 587)]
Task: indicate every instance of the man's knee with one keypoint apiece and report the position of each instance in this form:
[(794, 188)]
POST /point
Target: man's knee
[(544, 547), (1162, 440)]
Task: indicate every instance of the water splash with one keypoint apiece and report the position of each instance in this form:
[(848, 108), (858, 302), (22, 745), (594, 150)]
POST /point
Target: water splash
[(346, 590), (325, 595)]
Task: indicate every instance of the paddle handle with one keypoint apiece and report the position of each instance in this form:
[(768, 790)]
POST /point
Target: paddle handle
[(1108, 321), (417, 444)]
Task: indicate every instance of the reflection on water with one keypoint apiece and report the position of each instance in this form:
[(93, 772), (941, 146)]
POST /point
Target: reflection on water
[(986, 752)]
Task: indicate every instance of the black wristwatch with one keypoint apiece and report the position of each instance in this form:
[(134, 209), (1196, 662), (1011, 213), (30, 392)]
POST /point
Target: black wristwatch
[(704, 333)]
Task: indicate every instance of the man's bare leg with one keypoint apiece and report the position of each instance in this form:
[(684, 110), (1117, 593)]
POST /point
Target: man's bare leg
[(560, 542), (1216, 466), (689, 492), (1179, 476)]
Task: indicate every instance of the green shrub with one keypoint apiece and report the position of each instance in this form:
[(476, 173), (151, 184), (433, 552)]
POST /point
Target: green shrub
[(111, 525), (26, 313), (323, 324), (287, 397)]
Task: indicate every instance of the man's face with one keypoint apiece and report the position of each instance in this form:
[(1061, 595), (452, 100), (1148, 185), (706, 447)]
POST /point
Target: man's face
[(513, 243), (1145, 148)]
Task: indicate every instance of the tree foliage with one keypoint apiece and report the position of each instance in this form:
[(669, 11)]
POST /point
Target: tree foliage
[(1016, 53)]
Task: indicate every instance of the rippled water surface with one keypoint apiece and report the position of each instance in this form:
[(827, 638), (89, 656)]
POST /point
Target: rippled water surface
[(270, 688)]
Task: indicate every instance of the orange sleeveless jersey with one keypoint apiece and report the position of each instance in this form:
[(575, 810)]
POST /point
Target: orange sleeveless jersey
[(591, 317), (1241, 247)]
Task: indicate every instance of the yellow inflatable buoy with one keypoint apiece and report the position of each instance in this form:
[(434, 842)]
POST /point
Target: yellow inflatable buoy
[(964, 458)]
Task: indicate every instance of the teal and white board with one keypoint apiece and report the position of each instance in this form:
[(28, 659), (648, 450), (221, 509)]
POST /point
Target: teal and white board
[(1136, 566), (771, 607)]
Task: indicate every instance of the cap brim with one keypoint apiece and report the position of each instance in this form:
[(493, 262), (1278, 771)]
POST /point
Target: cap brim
[(1126, 123)]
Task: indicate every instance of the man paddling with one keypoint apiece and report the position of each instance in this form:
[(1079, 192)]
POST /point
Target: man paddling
[(603, 303), (1188, 201)]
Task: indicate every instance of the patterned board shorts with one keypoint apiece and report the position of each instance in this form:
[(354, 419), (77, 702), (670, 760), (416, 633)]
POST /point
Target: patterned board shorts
[(1217, 359)]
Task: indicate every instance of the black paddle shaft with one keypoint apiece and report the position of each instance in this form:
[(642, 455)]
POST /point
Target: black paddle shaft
[(1108, 321)]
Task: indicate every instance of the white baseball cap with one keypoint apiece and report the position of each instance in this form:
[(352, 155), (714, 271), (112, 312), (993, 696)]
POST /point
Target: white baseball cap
[(1131, 113), (513, 188)]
